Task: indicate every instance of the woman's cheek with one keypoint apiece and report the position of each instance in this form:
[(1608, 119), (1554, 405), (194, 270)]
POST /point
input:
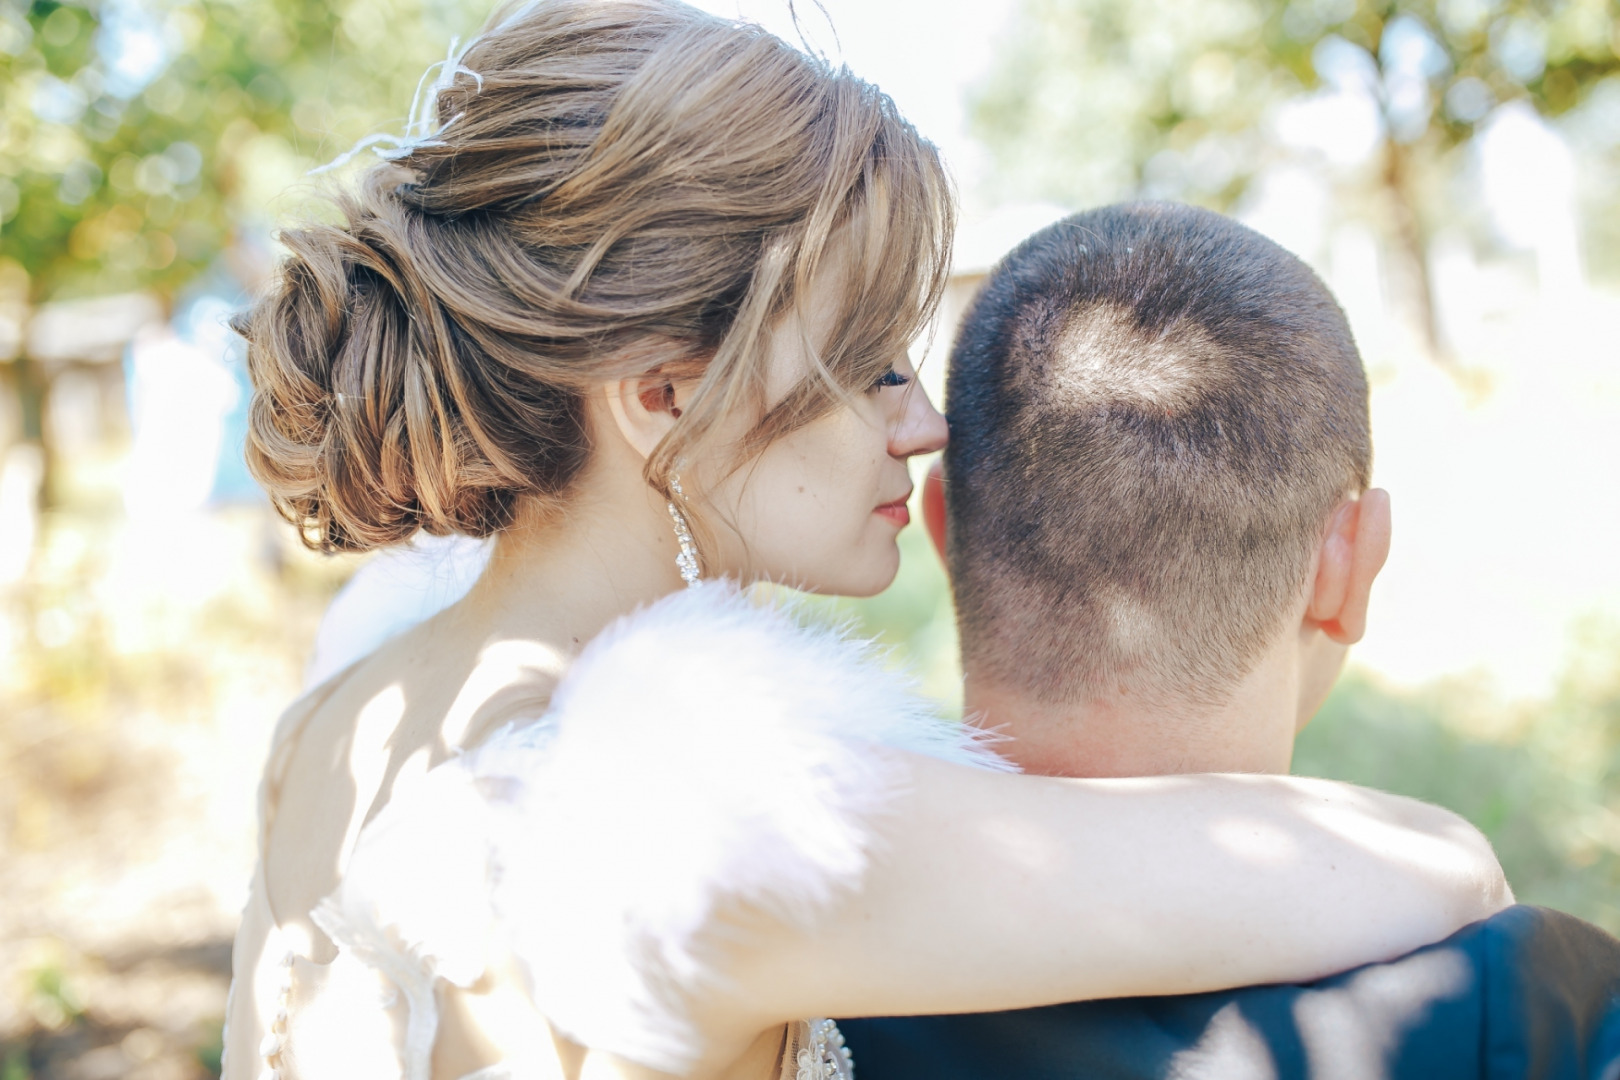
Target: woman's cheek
[(805, 509), (856, 552)]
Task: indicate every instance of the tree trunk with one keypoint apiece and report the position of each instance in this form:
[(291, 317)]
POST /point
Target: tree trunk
[(1412, 243), (32, 388)]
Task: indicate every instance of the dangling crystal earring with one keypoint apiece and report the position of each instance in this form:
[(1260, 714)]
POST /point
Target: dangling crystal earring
[(687, 560)]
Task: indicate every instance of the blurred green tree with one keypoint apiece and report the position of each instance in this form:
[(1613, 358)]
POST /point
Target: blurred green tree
[(141, 140), (129, 130), (1093, 100)]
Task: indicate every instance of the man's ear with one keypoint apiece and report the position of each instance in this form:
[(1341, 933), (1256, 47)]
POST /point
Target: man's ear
[(644, 408), (1352, 553), (933, 508)]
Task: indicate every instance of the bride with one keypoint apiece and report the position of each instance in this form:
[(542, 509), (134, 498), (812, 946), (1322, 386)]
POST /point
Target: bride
[(638, 305)]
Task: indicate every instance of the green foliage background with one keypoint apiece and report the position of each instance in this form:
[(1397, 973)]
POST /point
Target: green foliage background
[(1096, 100), (107, 184)]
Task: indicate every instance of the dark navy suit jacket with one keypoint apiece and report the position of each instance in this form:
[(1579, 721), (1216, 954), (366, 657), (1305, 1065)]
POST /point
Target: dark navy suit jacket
[(1528, 993)]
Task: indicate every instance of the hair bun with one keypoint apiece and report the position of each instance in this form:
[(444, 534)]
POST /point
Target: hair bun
[(359, 427)]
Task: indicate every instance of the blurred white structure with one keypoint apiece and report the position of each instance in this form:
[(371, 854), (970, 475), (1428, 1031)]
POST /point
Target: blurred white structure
[(94, 330), (179, 396)]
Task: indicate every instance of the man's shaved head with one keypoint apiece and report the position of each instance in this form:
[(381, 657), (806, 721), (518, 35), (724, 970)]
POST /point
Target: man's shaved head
[(1154, 411)]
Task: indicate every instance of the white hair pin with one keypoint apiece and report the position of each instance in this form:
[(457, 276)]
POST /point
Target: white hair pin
[(420, 129)]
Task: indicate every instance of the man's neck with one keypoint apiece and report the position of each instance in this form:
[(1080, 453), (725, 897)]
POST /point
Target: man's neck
[(1251, 730)]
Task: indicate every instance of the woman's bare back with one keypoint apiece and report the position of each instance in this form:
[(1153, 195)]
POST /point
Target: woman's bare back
[(339, 755)]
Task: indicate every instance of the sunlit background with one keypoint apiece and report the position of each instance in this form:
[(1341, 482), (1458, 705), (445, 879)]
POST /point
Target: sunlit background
[(1451, 167)]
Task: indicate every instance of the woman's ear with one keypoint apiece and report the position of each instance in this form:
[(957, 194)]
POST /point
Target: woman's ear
[(933, 509), (644, 408), (1352, 553)]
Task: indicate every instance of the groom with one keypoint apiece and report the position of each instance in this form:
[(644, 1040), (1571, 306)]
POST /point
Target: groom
[(1162, 539)]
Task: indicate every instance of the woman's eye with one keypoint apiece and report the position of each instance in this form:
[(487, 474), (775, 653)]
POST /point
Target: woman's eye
[(890, 378)]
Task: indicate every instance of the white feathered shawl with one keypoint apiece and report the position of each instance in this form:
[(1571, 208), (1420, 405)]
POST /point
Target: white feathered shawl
[(703, 755)]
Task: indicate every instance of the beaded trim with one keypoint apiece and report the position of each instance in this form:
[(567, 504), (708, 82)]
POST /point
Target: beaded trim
[(687, 560), (823, 1056), (276, 1041), (822, 1053)]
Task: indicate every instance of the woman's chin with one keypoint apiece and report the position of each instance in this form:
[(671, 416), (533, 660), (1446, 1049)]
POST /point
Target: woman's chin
[(871, 574), (858, 570)]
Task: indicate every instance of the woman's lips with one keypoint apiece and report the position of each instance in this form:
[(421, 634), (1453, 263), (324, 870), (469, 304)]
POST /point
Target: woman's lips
[(896, 512)]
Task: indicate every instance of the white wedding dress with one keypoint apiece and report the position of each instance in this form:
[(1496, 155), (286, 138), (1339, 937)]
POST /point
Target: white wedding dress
[(703, 755)]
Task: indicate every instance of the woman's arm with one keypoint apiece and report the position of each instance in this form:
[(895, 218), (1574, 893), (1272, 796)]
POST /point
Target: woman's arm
[(989, 891), (726, 821)]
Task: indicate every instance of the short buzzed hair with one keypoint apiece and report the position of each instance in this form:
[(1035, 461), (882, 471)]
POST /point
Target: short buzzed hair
[(1154, 410)]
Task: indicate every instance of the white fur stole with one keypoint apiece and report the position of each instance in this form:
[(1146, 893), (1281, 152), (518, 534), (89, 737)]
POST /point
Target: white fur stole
[(703, 755)]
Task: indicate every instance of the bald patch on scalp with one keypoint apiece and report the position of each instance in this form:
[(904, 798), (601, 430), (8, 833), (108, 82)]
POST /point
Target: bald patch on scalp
[(1102, 356)]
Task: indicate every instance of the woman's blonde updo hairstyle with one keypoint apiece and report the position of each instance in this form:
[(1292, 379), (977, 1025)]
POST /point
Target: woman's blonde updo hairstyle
[(623, 184)]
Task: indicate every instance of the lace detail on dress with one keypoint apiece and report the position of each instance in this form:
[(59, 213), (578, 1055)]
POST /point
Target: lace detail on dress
[(815, 1050)]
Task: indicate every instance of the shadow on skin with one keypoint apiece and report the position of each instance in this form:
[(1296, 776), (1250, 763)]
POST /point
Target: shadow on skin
[(510, 682)]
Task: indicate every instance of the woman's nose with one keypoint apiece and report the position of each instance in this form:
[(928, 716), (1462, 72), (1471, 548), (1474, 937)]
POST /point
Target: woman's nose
[(919, 429)]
